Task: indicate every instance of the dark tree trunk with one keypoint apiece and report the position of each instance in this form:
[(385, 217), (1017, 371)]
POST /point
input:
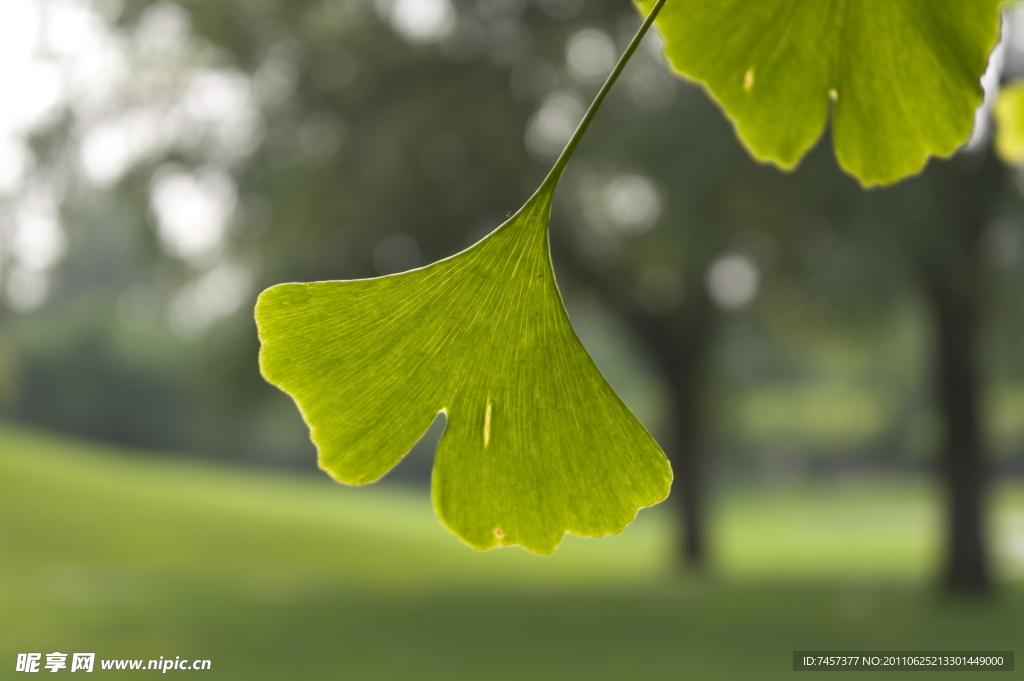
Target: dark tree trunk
[(685, 454), (964, 469), (681, 344), (955, 292)]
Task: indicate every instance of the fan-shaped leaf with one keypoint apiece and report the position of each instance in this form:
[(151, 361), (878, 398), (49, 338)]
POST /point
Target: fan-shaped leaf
[(536, 444)]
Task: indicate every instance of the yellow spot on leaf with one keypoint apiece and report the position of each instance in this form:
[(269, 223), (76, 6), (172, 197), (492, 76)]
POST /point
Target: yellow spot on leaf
[(487, 429), (748, 79)]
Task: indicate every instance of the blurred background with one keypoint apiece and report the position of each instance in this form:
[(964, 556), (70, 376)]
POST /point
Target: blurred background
[(835, 373)]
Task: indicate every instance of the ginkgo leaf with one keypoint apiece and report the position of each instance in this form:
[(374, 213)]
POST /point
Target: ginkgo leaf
[(536, 444), (1009, 115), (902, 76)]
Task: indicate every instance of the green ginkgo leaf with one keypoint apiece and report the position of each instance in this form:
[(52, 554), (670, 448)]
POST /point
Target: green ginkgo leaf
[(536, 444), (902, 76)]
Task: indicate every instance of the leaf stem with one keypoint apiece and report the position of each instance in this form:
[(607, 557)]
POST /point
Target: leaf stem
[(563, 158)]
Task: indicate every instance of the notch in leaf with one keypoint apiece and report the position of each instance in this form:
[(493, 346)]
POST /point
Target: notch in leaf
[(537, 443)]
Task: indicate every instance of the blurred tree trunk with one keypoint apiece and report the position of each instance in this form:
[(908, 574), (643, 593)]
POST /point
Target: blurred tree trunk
[(963, 464), (680, 342), (953, 274)]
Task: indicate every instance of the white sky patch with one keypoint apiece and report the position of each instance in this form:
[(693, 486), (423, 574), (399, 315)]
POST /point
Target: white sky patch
[(222, 102), (211, 109), (15, 161), (110, 148), (983, 115), (91, 58), (654, 44), (38, 241), (553, 124), (26, 288), (732, 281), (590, 55), (24, 68), (163, 29), (213, 296), (34, 241), (633, 204), (419, 21), (134, 97), (71, 29), (192, 211)]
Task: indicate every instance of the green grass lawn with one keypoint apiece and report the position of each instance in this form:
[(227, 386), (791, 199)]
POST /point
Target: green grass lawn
[(282, 576)]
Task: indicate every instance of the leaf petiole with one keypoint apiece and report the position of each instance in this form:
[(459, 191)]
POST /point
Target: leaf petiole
[(581, 129)]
